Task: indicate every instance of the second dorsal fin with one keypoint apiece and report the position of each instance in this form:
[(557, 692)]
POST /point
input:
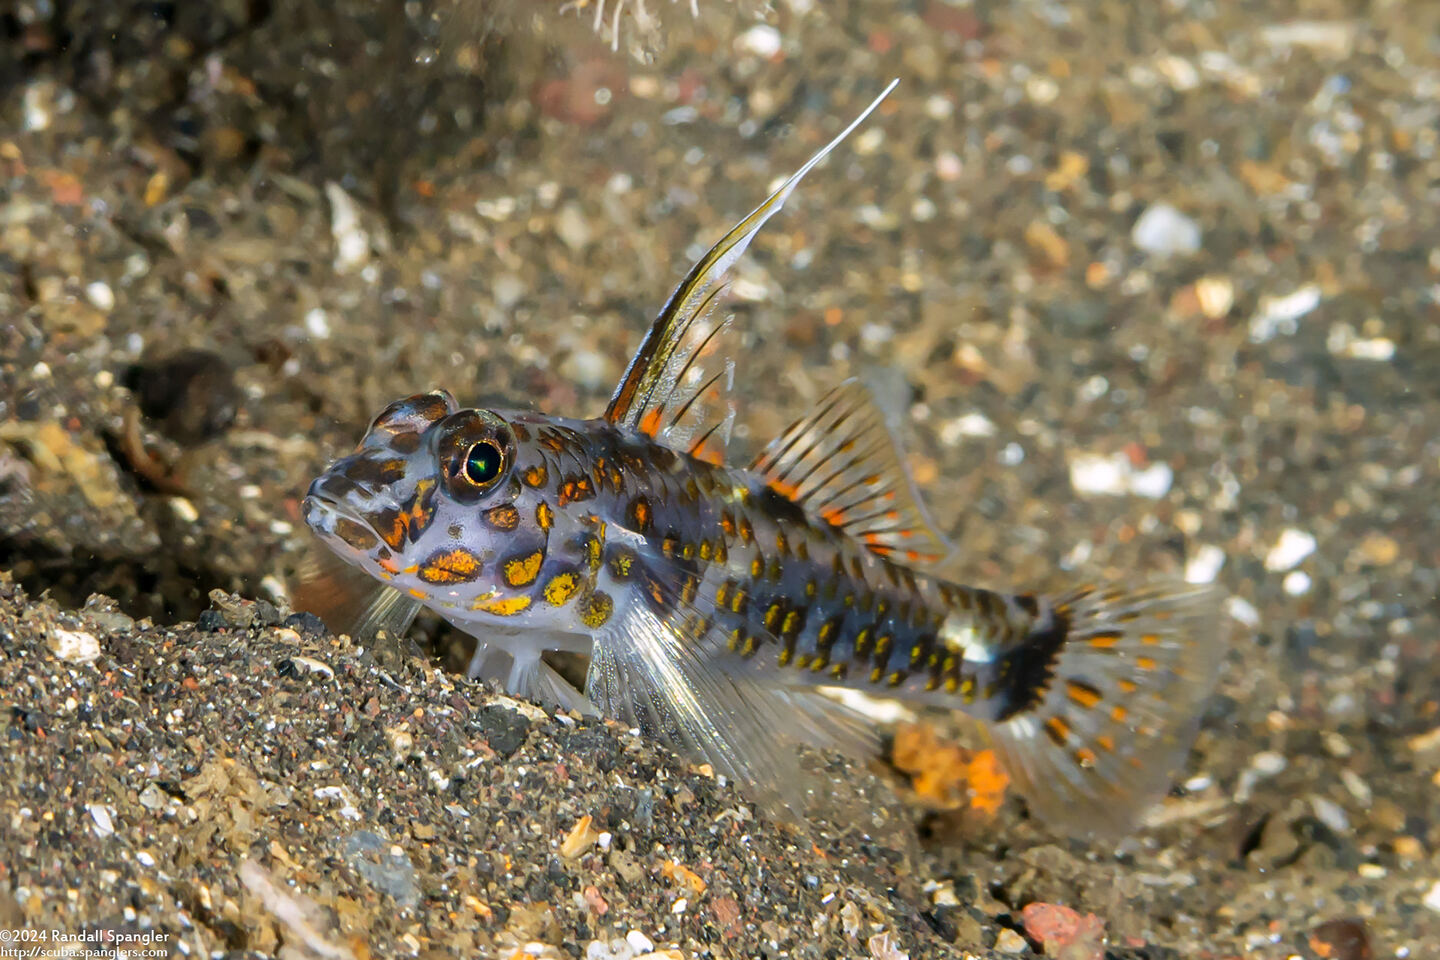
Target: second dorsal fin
[(841, 464)]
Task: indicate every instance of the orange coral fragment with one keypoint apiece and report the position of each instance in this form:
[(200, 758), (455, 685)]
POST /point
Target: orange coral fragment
[(948, 775), (677, 873)]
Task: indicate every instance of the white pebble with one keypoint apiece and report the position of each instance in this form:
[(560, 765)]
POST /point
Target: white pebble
[(1163, 231), (352, 243), (317, 323), (572, 228), (761, 40), (100, 295), (970, 425), (1297, 583), (1432, 898), (680, 906), (1242, 611), (104, 826), (1098, 475), (1331, 814), (1292, 547), (1268, 763), (639, 942), (1282, 314), (1153, 482), (1205, 565), (1113, 475), (73, 646)]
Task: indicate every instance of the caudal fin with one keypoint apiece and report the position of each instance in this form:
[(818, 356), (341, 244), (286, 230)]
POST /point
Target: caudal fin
[(1114, 724)]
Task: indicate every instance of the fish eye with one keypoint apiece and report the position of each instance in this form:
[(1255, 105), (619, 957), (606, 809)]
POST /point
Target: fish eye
[(484, 461)]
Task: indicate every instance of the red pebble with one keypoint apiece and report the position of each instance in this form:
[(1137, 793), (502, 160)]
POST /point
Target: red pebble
[(1065, 934)]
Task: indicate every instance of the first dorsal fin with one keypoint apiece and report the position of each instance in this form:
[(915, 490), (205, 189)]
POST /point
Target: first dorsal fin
[(677, 387), (840, 463)]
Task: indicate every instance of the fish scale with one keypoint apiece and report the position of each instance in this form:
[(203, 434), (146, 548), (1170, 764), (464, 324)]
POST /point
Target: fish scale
[(714, 599)]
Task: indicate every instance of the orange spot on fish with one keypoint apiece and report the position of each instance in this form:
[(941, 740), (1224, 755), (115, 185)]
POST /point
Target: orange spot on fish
[(650, 423), (456, 565)]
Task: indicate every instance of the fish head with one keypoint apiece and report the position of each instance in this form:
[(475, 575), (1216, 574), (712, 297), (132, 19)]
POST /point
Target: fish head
[(447, 505)]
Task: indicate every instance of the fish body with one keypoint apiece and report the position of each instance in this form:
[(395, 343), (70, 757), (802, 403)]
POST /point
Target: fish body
[(713, 599)]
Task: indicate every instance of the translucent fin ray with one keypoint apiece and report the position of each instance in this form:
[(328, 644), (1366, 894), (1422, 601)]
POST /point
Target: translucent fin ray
[(841, 464), (667, 670), (350, 601), (1109, 733), (646, 674), (671, 390)]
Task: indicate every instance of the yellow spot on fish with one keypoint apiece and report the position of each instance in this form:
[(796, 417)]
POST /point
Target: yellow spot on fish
[(1085, 696), (503, 517), (535, 476), (501, 606), (456, 565), (522, 571), (772, 617), (1106, 639), (622, 564), (1145, 663), (561, 589), (544, 516), (1058, 730), (597, 610), (419, 594)]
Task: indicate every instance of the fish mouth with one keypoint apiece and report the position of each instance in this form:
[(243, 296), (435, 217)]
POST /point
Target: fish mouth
[(337, 525)]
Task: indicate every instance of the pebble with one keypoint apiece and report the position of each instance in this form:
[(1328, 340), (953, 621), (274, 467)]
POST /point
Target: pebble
[(1296, 583), (1432, 897), (1011, 942), (761, 40), (970, 425), (639, 942), (74, 646), (100, 295), (1293, 546), (317, 323), (104, 826), (1281, 315), (1114, 475), (1242, 611), (572, 228), (1331, 814), (1205, 564), (352, 243), (1163, 231)]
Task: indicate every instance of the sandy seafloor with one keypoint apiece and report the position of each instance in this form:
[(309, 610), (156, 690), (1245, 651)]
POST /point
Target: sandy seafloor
[(1242, 384)]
